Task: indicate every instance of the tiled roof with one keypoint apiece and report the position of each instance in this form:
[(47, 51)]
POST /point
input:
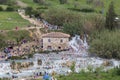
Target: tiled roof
[(55, 35)]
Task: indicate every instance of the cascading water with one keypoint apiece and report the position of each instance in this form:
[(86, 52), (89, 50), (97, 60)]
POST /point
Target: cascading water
[(4, 69), (59, 62), (35, 62), (78, 45)]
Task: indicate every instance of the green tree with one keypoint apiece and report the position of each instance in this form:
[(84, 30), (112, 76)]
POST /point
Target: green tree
[(1, 9), (2, 41), (105, 44), (19, 65), (39, 1), (63, 1), (13, 65), (9, 8), (39, 61), (90, 68), (28, 11), (89, 1), (73, 67), (56, 16), (73, 28), (110, 18)]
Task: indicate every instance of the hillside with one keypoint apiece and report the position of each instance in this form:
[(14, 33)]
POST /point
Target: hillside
[(10, 20), (97, 5)]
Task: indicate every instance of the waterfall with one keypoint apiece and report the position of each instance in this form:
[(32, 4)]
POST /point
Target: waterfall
[(35, 62), (78, 45)]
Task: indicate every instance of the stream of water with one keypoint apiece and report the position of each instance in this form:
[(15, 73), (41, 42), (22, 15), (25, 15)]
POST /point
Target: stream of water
[(60, 62)]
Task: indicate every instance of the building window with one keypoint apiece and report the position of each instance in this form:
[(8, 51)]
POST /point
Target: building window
[(49, 40), (41, 40), (59, 47), (61, 40), (41, 46)]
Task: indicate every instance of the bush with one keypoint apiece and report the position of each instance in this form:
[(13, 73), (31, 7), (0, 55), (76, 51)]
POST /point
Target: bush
[(42, 7), (63, 1), (56, 16), (86, 10), (14, 37), (42, 2), (115, 71), (1, 9), (106, 44), (60, 16), (30, 55), (15, 58), (19, 35), (9, 8), (2, 41), (28, 10), (73, 28)]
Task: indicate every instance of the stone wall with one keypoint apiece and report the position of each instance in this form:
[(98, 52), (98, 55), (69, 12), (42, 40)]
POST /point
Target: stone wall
[(55, 43)]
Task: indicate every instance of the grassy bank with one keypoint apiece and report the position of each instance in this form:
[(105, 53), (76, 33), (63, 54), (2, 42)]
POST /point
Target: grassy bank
[(10, 20), (110, 75), (13, 37)]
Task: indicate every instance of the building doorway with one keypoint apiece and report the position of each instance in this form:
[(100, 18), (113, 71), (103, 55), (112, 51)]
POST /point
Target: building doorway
[(49, 48)]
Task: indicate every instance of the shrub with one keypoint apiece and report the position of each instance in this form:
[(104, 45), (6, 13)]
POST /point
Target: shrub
[(2, 41), (42, 7), (18, 36), (73, 28), (117, 70), (56, 16), (30, 55), (106, 44), (15, 57), (28, 10), (1, 9), (63, 1), (60, 16), (86, 10), (9, 8), (39, 1)]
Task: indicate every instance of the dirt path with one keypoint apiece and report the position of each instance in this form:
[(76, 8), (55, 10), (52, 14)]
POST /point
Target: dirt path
[(36, 24), (33, 21), (35, 33)]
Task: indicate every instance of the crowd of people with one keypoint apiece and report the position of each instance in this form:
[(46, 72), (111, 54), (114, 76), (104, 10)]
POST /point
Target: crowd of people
[(25, 47)]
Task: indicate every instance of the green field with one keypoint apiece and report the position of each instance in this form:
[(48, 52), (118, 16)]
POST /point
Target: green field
[(91, 76), (9, 20), (79, 3)]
